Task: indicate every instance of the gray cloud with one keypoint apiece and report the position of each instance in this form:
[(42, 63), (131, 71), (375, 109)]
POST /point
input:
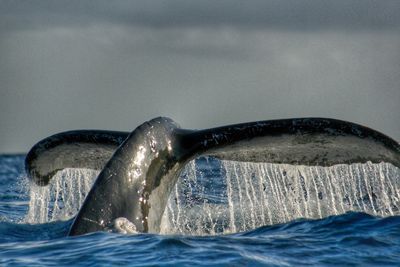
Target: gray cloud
[(290, 14), (112, 65)]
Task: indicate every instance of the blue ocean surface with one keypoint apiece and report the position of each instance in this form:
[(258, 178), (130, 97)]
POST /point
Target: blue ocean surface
[(349, 239)]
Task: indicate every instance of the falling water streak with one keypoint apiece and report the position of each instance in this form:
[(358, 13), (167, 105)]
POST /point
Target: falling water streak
[(351, 189), (316, 196), (393, 195), (267, 202), (171, 216), (229, 192), (251, 195), (61, 198), (353, 186), (178, 206), (56, 206), (323, 186), (397, 193), (259, 211), (246, 189), (308, 187), (263, 202), (239, 194), (309, 205), (297, 193), (273, 194), (277, 194), (329, 182), (213, 223), (341, 173), (368, 188), (302, 192), (79, 188), (390, 193), (379, 183), (360, 181), (396, 190), (203, 217), (281, 178), (381, 197), (337, 180)]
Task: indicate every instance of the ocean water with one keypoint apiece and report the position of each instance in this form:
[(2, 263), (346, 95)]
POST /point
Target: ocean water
[(221, 213)]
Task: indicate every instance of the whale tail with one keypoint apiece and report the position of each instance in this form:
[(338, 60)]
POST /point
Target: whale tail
[(139, 170)]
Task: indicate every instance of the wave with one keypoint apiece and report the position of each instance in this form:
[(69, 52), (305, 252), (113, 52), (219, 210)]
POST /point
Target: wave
[(351, 238)]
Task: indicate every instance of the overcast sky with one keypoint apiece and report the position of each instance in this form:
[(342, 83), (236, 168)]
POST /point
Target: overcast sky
[(114, 64)]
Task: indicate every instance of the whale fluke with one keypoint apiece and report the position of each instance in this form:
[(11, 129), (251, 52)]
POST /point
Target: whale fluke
[(89, 149), (139, 170)]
